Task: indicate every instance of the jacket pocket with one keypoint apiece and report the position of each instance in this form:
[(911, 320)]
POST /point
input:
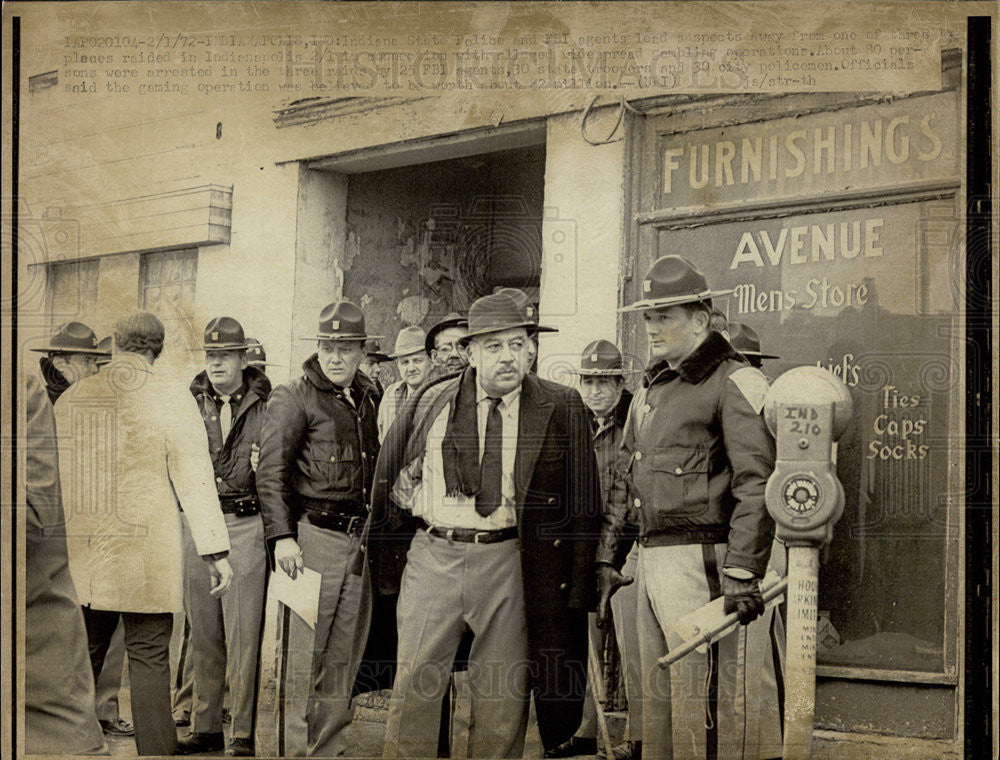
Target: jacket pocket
[(334, 466), (680, 480)]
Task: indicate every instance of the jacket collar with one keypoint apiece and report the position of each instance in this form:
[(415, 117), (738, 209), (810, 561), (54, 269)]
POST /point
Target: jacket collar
[(256, 382), (698, 365), (362, 385), (55, 381), (619, 414)]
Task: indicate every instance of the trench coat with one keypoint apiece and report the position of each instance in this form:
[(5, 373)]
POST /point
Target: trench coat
[(133, 453), (558, 503)]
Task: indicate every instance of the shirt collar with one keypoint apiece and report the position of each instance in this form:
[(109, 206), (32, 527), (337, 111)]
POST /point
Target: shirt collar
[(506, 399), (237, 395)]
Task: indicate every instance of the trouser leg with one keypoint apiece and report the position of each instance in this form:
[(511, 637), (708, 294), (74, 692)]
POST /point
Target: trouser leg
[(330, 712), (318, 667), (430, 627), (588, 723), (147, 643), (498, 661), (109, 682), (623, 610), (182, 668), (656, 708), (242, 612), (100, 626), (207, 650)]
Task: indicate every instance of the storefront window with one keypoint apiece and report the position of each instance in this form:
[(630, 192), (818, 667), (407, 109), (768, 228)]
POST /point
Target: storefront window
[(72, 292)]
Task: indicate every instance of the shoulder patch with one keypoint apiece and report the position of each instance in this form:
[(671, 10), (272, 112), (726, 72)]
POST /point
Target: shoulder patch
[(753, 385)]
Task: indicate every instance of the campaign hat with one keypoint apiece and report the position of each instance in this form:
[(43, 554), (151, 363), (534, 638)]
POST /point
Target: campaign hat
[(454, 319), (672, 281), (71, 338), (496, 313), (744, 339), (373, 350), (409, 340), (601, 358), (525, 304), (256, 355), (105, 345), (342, 320), (224, 334)]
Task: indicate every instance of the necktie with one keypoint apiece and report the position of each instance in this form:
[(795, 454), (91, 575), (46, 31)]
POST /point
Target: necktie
[(490, 468), (225, 417)]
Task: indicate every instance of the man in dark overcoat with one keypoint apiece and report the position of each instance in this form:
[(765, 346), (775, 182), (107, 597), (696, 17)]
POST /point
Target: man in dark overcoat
[(492, 473)]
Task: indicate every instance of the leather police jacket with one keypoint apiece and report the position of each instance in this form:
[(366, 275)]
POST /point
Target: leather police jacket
[(234, 476), (317, 449), (695, 458)]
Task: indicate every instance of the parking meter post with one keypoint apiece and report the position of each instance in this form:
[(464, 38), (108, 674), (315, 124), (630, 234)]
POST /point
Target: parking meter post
[(806, 410)]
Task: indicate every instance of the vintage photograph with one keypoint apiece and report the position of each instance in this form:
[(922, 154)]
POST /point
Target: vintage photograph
[(499, 380)]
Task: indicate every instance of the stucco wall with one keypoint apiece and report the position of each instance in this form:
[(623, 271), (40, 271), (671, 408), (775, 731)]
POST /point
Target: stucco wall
[(582, 237)]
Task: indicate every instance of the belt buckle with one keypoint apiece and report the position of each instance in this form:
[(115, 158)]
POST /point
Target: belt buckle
[(483, 533), (350, 524), (450, 535)]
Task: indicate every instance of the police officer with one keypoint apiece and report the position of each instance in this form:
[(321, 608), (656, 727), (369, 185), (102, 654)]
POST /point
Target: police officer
[(744, 339), (694, 461), (371, 364), (71, 354), (317, 456), (256, 355), (225, 633), (602, 387)]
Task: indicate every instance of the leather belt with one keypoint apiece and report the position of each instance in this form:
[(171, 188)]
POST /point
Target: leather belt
[(471, 535), (349, 524), (246, 506)]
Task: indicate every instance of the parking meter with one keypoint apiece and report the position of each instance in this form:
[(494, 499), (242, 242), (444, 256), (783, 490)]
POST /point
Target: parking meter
[(807, 409)]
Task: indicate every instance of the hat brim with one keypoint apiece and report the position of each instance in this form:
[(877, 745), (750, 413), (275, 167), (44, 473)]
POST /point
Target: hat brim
[(441, 327), (224, 347), (603, 372), (420, 350), (340, 337), (64, 350), (657, 303), (529, 326)]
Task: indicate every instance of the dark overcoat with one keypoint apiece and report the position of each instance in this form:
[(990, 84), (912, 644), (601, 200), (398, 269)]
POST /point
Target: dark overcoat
[(558, 502)]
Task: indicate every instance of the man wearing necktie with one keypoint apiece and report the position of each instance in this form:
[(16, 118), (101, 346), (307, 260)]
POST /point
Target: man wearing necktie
[(490, 476), (225, 633), (317, 456)]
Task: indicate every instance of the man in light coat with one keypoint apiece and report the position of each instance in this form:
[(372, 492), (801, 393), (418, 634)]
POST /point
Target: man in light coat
[(136, 454)]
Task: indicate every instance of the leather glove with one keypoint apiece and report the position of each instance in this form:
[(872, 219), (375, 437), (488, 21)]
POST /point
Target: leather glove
[(609, 581), (743, 597)]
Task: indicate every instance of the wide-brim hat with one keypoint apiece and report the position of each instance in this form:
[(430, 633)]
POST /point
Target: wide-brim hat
[(409, 340), (672, 281), (105, 345), (526, 306), (450, 320), (496, 313), (744, 339), (342, 320), (72, 338), (256, 355), (601, 358), (224, 334), (373, 350)]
